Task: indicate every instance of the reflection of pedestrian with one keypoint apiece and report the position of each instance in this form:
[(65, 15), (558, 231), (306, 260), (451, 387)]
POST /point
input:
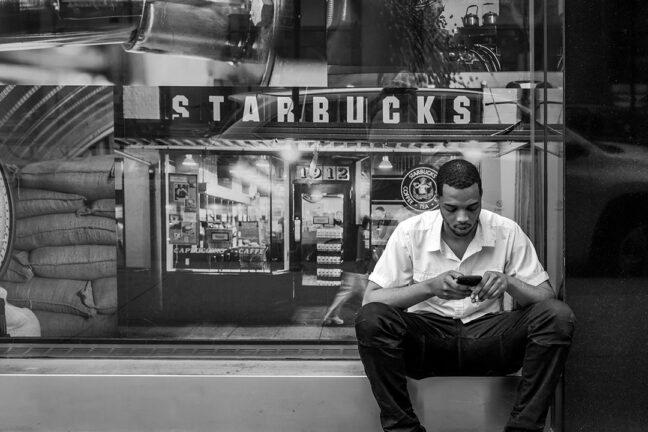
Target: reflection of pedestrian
[(338, 218), (353, 283), (362, 245), (379, 222), (382, 227), (379, 213)]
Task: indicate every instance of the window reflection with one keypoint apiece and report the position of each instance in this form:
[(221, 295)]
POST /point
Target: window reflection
[(244, 200), (240, 236), (333, 43)]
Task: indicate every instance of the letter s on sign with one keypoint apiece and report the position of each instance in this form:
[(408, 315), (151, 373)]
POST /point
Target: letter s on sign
[(179, 104), (461, 105)]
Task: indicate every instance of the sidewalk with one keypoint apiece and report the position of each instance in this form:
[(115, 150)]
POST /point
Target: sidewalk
[(306, 325)]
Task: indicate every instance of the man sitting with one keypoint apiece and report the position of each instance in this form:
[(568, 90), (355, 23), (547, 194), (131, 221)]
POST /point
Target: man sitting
[(418, 319)]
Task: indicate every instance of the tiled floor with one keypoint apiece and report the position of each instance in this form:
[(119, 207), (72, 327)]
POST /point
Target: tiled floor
[(306, 325)]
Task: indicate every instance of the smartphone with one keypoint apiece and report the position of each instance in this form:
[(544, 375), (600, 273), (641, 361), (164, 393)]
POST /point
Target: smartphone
[(469, 280)]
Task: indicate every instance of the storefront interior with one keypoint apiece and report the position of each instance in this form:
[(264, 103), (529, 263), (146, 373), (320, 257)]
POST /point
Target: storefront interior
[(254, 244)]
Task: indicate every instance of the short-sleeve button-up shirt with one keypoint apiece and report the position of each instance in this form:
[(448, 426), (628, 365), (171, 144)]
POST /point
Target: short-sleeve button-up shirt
[(415, 253)]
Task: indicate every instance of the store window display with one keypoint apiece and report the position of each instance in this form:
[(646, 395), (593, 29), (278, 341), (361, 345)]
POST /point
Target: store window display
[(218, 209), (238, 186), (240, 231)]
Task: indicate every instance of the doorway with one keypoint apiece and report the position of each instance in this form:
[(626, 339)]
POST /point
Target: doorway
[(324, 233)]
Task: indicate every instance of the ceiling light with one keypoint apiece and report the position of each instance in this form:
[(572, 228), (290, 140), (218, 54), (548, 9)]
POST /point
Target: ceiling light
[(289, 152), (385, 163), (189, 161), (239, 170), (315, 196), (262, 162)]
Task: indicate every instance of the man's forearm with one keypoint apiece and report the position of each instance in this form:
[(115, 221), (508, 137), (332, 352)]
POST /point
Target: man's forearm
[(526, 294), (403, 297)]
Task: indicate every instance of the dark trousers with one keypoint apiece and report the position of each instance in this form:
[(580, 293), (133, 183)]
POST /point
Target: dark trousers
[(395, 344)]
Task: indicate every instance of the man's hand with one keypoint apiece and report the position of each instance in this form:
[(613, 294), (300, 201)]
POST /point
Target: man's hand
[(493, 285), (445, 286)]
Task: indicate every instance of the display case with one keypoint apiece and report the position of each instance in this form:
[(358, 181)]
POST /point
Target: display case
[(329, 256), (219, 213)]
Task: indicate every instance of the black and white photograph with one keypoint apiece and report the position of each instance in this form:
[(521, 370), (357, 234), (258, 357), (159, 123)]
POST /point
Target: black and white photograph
[(323, 215)]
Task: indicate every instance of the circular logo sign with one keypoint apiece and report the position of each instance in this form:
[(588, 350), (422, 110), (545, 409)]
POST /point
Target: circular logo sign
[(419, 189)]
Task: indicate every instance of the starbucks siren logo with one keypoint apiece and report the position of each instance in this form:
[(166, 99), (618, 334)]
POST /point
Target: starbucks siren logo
[(419, 189)]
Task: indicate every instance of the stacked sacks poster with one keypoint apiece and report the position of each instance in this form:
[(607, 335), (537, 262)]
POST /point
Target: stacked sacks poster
[(64, 257), (14, 321)]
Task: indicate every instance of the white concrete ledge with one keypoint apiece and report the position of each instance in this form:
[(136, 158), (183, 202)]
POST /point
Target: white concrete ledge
[(238, 396)]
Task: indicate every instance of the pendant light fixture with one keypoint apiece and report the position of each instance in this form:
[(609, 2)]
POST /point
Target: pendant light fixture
[(262, 162), (385, 164), (189, 161)]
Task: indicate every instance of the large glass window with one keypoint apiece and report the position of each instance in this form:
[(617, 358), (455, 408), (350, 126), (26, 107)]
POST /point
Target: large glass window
[(219, 213), (231, 184)]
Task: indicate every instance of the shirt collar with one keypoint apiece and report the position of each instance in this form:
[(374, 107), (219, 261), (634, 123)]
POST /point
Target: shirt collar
[(437, 224), (484, 237)]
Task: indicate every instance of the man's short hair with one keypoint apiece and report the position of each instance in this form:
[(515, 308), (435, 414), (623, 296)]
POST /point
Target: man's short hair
[(459, 174)]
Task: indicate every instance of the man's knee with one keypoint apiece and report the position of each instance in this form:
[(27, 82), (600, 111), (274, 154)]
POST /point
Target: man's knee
[(557, 311), (377, 322), (553, 321)]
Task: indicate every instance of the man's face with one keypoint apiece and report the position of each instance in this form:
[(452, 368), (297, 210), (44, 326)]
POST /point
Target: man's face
[(460, 209)]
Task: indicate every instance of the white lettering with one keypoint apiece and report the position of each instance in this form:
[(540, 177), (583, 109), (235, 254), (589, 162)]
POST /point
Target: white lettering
[(329, 173), (180, 103), (285, 109), (389, 103), (216, 106), (356, 109), (342, 173), (418, 172), (461, 105), (424, 109), (251, 109), (320, 109), (355, 114)]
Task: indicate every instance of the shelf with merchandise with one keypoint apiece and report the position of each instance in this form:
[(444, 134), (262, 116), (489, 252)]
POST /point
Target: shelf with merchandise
[(329, 256)]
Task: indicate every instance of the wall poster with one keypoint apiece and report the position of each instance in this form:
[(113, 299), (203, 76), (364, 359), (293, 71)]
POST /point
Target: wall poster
[(183, 208)]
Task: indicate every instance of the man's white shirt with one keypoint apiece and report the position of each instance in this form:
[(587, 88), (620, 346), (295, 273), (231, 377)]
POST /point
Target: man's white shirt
[(415, 253)]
